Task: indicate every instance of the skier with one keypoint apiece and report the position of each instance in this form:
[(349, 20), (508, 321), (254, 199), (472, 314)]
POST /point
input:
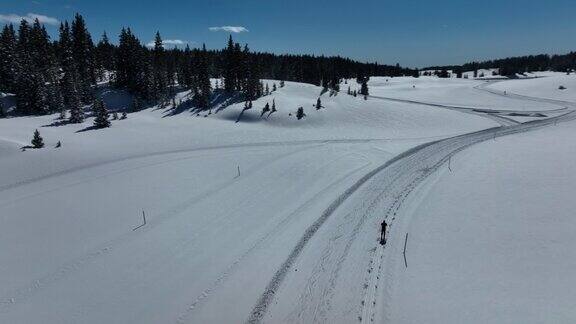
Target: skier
[(383, 232)]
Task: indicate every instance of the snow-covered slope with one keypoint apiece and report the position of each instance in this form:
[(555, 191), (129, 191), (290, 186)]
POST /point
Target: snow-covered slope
[(235, 212), (544, 87), (452, 92), (224, 203), (493, 240)]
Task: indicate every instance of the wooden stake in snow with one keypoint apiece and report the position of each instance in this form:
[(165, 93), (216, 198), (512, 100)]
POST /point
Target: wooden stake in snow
[(405, 242), (144, 219)]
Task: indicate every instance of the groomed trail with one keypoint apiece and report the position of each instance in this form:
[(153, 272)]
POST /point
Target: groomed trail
[(336, 271), (284, 230)]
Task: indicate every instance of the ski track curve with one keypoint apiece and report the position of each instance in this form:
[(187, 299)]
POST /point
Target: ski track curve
[(413, 166)]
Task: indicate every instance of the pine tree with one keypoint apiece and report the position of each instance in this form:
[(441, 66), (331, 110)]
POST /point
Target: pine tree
[(230, 67), (2, 113), (76, 112), (282, 84), (124, 115), (274, 87), (114, 116), (265, 109), (159, 69), (83, 54), (273, 110), (135, 104), (364, 88), (102, 114), (253, 86), (8, 59), (37, 141), (267, 90), (300, 114), (204, 85), (30, 85), (318, 104), (104, 57)]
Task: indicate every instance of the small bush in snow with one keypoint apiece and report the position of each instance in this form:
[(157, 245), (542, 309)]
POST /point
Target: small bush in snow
[(102, 115), (300, 114), (37, 141)]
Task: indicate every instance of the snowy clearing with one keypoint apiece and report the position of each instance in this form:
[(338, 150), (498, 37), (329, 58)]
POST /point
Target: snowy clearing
[(272, 219)]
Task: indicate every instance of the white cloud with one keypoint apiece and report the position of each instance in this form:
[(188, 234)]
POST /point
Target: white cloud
[(230, 29), (16, 19), (173, 42)]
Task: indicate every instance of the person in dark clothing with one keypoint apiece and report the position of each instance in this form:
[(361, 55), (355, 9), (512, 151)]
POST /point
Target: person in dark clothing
[(383, 232)]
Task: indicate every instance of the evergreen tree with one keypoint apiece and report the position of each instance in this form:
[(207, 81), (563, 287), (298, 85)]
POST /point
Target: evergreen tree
[(230, 66), (2, 112), (8, 59), (204, 86), (124, 115), (76, 112), (104, 56), (69, 80), (37, 141), (364, 88), (159, 69), (300, 114), (265, 109), (135, 104), (102, 114), (253, 86), (30, 84), (318, 104), (274, 87), (83, 54), (273, 108)]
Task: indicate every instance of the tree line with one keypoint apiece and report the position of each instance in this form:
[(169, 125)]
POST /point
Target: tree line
[(517, 65), (61, 75)]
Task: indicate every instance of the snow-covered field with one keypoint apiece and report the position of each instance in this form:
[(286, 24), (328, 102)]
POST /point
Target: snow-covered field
[(275, 219), (493, 240)]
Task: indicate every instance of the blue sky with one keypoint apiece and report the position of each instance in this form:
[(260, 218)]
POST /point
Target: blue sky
[(414, 33)]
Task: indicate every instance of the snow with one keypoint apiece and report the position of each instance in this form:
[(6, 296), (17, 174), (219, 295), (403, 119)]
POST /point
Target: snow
[(543, 87), (236, 209), (452, 92), (493, 240)]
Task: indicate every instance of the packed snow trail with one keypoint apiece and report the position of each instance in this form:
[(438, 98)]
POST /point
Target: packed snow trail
[(323, 293)]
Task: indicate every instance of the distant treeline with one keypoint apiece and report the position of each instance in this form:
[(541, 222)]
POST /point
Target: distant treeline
[(49, 76), (512, 65)]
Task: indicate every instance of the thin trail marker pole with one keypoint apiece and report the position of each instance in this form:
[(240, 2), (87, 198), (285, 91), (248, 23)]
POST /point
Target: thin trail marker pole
[(238, 176), (405, 242), (143, 218)]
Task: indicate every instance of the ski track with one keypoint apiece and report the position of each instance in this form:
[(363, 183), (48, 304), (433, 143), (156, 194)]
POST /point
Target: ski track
[(21, 294), (208, 148), (412, 168), (260, 242)]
